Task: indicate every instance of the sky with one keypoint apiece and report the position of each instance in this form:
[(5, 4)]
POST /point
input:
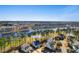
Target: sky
[(39, 12)]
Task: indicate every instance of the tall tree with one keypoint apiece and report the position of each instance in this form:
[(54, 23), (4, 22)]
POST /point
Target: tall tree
[(2, 44)]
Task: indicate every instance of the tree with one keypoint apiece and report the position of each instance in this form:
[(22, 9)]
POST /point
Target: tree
[(2, 43), (58, 31), (76, 33), (9, 40)]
